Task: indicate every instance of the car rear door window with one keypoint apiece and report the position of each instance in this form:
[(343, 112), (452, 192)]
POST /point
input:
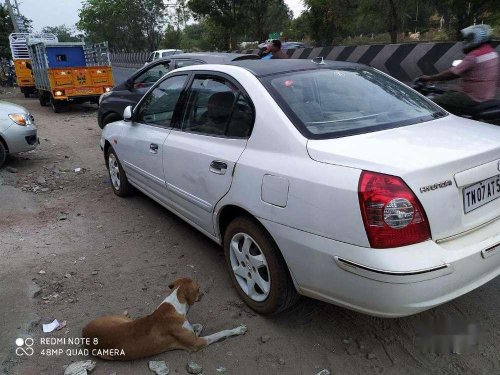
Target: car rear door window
[(159, 105), (217, 107), (151, 75)]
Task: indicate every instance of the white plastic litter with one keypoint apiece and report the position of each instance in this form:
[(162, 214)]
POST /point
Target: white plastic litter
[(51, 326)]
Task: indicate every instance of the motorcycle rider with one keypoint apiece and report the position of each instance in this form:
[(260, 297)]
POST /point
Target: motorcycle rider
[(479, 71)]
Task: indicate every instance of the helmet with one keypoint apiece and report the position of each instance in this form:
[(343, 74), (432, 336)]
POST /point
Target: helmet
[(474, 36)]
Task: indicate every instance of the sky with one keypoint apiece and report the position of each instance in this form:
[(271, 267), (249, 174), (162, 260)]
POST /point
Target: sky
[(59, 12)]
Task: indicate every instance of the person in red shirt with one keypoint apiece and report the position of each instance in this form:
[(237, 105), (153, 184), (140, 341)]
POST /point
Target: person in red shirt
[(479, 71)]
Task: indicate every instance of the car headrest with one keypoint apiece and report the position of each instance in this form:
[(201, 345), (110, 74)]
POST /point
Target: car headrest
[(220, 105)]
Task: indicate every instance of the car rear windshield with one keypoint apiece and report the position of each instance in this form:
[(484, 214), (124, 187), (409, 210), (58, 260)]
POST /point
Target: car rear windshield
[(332, 103)]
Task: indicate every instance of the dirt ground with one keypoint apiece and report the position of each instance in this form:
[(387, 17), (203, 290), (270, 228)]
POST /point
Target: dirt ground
[(71, 250)]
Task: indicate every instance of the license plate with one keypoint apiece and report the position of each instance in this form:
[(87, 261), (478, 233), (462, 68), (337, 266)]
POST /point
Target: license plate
[(481, 193), (83, 92)]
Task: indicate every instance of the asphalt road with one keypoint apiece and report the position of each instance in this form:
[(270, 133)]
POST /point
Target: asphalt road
[(71, 250)]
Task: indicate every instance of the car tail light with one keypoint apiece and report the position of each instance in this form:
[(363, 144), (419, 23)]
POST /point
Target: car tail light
[(391, 213)]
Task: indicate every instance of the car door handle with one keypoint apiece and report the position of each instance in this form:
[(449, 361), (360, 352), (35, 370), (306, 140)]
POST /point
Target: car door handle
[(153, 148), (218, 167)]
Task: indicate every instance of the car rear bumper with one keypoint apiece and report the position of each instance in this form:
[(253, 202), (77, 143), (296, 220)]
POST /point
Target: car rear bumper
[(393, 282), (21, 138)]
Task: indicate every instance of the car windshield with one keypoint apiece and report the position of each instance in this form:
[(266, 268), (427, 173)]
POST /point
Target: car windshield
[(330, 103)]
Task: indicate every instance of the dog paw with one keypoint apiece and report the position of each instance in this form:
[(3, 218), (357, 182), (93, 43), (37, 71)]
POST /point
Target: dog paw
[(197, 328), (241, 330)]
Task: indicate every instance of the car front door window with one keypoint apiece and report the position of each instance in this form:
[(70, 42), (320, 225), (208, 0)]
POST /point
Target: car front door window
[(151, 75), (159, 106)]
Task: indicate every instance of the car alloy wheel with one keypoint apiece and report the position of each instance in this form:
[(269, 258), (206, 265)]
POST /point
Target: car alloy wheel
[(117, 176), (114, 171), (257, 268), (249, 266)]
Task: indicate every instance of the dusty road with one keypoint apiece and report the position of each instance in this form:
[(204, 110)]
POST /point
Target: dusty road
[(71, 250)]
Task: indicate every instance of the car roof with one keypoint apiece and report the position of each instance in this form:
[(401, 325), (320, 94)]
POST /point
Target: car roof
[(263, 68)]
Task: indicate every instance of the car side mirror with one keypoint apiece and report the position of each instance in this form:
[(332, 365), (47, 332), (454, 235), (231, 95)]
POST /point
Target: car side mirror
[(129, 84), (456, 62), (127, 113)]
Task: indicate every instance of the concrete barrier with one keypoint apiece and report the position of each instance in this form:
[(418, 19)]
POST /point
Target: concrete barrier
[(402, 61)]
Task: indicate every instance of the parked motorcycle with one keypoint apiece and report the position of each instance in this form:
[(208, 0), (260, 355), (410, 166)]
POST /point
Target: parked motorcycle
[(488, 111)]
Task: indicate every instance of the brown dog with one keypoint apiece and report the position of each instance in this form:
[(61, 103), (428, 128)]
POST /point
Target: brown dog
[(118, 337)]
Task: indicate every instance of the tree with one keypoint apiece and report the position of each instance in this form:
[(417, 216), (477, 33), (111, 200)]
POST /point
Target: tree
[(328, 19), (385, 15), (129, 25), (463, 13), (298, 28), (265, 16), (5, 29), (172, 38), (225, 15), (63, 33)]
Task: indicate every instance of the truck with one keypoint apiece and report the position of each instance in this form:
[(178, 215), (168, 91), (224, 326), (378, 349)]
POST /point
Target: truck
[(70, 72), (20, 56)]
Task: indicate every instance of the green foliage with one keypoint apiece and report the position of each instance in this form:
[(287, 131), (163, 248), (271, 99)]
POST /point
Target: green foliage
[(129, 25), (459, 14), (172, 38), (298, 28), (331, 21), (63, 33), (228, 22), (5, 29), (263, 17), (227, 16), (132, 25), (328, 19)]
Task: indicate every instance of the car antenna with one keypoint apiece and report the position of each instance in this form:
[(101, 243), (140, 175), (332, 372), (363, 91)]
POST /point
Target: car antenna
[(318, 60)]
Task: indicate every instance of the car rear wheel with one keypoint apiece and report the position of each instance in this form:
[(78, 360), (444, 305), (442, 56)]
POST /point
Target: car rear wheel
[(119, 181), (257, 267), (3, 153), (43, 98)]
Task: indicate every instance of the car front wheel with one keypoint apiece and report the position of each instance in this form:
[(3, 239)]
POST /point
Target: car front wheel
[(257, 267), (119, 181), (110, 117)]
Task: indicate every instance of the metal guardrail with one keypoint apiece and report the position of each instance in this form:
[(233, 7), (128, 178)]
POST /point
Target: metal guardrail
[(404, 61)]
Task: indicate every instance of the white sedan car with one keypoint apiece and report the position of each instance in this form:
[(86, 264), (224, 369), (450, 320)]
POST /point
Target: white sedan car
[(18, 132), (332, 181)]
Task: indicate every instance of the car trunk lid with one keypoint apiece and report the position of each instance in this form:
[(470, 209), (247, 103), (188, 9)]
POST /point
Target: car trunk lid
[(441, 161)]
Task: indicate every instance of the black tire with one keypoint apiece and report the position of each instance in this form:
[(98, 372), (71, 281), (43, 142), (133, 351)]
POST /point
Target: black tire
[(110, 117), (3, 153), (57, 105), (282, 294), (124, 189), (42, 98)]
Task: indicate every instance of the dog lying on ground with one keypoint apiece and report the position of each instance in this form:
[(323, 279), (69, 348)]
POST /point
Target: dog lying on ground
[(121, 338)]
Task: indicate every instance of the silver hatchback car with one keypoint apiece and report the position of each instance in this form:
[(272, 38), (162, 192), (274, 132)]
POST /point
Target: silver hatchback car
[(18, 132)]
